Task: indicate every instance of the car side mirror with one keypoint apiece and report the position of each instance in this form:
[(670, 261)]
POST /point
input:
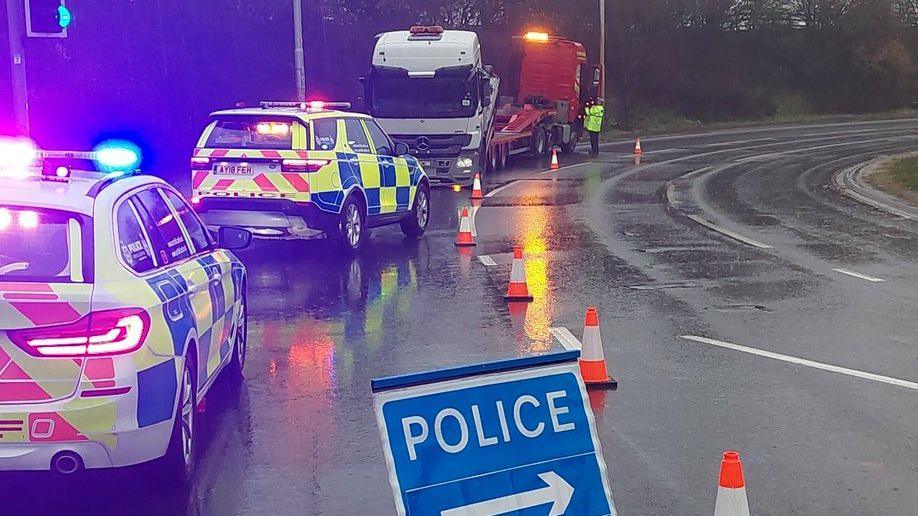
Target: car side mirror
[(234, 239), (401, 148)]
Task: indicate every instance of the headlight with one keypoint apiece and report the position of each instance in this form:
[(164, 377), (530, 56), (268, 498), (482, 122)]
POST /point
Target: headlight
[(464, 162)]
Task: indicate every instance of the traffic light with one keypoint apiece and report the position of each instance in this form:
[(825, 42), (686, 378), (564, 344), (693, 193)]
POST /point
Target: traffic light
[(47, 18)]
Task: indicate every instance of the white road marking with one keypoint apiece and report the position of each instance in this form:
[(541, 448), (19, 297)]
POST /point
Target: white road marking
[(549, 171), (804, 362), (493, 192), (859, 275), (566, 338), (487, 261), (473, 212), (727, 232)]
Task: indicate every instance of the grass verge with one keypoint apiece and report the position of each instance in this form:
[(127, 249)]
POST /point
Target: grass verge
[(899, 177)]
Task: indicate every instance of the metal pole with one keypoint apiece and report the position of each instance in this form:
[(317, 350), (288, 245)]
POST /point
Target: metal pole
[(15, 22), (299, 54), (602, 48)]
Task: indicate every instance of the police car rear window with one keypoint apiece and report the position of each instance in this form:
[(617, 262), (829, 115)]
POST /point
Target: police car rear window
[(42, 245), (245, 132)]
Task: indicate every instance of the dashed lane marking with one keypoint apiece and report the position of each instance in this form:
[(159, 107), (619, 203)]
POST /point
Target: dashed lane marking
[(727, 232), (487, 261), (566, 338), (871, 279), (804, 362)]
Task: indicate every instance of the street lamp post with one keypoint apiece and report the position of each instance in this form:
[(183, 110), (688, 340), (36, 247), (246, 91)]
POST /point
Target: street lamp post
[(602, 48), (299, 55)]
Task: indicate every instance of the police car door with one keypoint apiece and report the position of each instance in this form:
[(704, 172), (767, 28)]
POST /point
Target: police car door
[(395, 177), (223, 283), (174, 250), (364, 158)]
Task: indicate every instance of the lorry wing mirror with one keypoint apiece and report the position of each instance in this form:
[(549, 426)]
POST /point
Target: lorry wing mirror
[(401, 148), (486, 91)]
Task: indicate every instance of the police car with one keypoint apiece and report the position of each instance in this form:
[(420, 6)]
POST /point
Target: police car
[(291, 170), (117, 313)]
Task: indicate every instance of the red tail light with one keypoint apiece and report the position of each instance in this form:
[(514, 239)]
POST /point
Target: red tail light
[(106, 332), (200, 163), (303, 165)]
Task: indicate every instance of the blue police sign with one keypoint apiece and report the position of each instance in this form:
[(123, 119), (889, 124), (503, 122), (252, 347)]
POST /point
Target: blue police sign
[(507, 437)]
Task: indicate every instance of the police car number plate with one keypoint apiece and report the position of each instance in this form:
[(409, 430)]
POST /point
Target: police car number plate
[(233, 169)]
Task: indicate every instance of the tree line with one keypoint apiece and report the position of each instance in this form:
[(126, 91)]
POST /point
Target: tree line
[(705, 60)]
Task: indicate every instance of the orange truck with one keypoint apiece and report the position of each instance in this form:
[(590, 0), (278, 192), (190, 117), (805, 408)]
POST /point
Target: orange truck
[(550, 80)]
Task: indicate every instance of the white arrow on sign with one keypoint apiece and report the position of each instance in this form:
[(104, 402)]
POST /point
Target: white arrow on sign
[(558, 492)]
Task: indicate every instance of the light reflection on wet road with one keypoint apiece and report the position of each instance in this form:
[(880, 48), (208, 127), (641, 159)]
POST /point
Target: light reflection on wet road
[(299, 437)]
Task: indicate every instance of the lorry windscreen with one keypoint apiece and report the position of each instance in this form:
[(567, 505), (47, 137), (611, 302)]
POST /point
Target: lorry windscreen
[(449, 94)]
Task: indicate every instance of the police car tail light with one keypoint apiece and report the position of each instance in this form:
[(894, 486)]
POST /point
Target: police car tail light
[(107, 332), (200, 163), (303, 165), (273, 128)]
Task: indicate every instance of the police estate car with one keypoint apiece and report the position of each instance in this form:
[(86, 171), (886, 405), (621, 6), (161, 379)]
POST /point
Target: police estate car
[(117, 312), (293, 170)]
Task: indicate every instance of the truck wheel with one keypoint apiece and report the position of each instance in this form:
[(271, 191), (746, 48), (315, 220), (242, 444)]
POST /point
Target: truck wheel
[(352, 226), (571, 145), (415, 224), (538, 144)]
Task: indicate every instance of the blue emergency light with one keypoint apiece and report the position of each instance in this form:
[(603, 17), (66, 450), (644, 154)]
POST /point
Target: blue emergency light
[(117, 156)]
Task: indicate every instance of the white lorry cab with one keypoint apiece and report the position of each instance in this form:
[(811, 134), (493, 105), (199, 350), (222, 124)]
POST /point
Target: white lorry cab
[(428, 88)]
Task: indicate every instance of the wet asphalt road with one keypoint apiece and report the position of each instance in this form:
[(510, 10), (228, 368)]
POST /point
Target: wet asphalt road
[(299, 437)]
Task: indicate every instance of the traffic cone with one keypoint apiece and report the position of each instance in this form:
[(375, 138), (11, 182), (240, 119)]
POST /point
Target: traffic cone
[(517, 289), (465, 238), (637, 147), (592, 358), (731, 490), (554, 160), (476, 187)]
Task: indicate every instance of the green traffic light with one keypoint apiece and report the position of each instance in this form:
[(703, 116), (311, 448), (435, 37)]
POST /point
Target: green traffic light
[(64, 18)]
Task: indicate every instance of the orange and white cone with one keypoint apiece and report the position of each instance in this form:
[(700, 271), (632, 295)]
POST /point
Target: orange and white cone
[(731, 490), (592, 357), (517, 289), (637, 147), (465, 238), (554, 160), (476, 187)]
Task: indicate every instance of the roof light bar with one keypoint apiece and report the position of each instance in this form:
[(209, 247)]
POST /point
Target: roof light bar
[(538, 37), (421, 30), (17, 157), (313, 105)]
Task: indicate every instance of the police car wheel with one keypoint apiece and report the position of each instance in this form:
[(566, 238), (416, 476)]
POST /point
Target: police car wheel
[(240, 348), (180, 456), (352, 226), (415, 224)]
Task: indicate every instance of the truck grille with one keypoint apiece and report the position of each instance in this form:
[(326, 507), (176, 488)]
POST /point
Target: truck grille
[(434, 145)]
